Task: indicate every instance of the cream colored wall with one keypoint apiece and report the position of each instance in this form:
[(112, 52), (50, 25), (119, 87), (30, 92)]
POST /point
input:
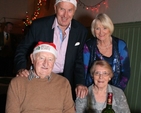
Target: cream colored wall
[(120, 11)]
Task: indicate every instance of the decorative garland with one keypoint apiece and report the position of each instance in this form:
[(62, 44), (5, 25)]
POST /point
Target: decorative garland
[(92, 7), (95, 7), (28, 21)]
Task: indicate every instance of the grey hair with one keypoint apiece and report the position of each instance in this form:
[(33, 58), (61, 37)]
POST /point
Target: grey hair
[(101, 63)]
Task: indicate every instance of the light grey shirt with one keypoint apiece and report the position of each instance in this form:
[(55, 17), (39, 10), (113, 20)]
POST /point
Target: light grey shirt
[(119, 103)]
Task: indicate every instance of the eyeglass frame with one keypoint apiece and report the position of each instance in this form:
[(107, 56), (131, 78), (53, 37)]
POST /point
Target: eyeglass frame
[(98, 73)]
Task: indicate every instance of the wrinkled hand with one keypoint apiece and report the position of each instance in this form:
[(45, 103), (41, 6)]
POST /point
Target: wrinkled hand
[(23, 73), (81, 91)]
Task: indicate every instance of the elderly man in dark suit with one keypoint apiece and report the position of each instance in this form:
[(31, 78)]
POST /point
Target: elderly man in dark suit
[(69, 37)]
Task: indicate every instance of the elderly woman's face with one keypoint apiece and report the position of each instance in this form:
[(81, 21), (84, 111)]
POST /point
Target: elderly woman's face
[(43, 63), (101, 32), (101, 76), (64, 12)]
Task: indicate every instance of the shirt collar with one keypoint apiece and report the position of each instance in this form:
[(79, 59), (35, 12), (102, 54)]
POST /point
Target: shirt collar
[(33, 75), (5, 33), (55, 24)]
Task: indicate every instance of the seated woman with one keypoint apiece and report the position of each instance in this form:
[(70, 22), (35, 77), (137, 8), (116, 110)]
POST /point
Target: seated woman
[(96, 99)]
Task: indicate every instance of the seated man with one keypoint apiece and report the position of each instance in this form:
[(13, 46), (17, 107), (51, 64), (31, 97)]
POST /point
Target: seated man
[(43, 91)]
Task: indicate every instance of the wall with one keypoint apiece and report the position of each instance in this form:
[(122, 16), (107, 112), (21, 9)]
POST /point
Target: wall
[(131, 33), (120, 11), (14, 11)]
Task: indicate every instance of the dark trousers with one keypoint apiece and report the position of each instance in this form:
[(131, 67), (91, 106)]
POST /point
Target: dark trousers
[(6, 66)]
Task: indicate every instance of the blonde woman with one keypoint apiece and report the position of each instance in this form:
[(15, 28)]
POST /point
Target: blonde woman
[(104, 46)]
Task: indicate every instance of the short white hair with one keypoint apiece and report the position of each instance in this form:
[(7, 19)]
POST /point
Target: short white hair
[(74, 2)]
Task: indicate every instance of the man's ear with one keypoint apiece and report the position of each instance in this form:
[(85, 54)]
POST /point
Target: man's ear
[(55, 8), (32, 58)]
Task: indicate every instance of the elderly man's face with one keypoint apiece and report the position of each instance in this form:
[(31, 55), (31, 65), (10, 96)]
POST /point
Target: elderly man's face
[(43, 63), (65, 12)]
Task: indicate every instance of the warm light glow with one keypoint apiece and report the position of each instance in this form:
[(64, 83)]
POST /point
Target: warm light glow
[(28, 21), (95, 7)]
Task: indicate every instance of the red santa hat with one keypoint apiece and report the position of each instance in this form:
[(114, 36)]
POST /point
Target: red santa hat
[(74, 2), (45, 47)]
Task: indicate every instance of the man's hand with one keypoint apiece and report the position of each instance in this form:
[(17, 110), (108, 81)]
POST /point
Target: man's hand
[(81, 91), (23, 73)]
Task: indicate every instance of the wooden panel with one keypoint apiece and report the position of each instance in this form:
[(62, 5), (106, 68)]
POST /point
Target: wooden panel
[(131, 34)]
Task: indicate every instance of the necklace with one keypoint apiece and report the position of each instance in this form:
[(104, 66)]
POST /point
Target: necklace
[(105, 50), (104, 47)]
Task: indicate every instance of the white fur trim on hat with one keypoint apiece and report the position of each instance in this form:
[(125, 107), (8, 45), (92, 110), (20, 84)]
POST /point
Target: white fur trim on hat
[(74, 2), (45, 48)]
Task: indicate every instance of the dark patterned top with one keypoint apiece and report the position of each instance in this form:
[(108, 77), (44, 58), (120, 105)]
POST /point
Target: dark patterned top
[(119, 61)]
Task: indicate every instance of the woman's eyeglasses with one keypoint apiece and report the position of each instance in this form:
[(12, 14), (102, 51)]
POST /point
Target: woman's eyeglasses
[(104, 74)]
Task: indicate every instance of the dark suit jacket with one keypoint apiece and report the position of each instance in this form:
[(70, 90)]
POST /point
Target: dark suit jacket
[(41, 30), (7, 50)]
